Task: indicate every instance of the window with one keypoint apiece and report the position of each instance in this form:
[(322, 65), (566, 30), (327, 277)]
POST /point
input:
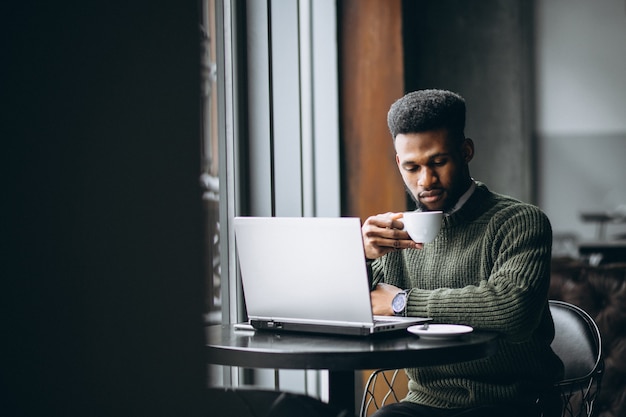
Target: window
[(274, 128), (209, 177)]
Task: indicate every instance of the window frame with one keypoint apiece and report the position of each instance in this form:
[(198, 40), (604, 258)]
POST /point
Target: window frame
[(278, 132)]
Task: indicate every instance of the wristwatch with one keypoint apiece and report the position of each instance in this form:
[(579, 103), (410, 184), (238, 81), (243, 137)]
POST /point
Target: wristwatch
[(398, 304)]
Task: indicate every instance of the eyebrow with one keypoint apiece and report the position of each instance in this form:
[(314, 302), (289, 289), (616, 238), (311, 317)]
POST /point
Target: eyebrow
[(430, 158)]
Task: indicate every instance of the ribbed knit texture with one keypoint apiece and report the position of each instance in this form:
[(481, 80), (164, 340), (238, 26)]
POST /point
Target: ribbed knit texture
[(489, 268)]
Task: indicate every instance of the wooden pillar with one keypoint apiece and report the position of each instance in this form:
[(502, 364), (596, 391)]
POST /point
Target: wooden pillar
[(371, 79)]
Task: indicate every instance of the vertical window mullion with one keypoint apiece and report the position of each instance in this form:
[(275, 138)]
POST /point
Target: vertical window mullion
[(286, 124)]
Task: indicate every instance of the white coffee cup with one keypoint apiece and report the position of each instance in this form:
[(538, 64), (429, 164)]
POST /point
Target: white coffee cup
[(422, 226)]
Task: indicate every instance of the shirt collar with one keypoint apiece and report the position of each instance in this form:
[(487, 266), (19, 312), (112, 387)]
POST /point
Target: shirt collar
[(463, 199)]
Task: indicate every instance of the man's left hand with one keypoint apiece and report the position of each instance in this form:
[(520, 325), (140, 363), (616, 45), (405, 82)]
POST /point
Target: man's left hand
[(382, 296)]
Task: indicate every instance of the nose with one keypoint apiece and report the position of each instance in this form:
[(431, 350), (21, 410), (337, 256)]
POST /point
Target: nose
[(426, 178)]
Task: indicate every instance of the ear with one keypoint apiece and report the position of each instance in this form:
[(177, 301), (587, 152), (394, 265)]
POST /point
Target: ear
[(467, 150)]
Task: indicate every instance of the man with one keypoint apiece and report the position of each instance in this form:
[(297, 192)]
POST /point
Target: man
[(488, 268)]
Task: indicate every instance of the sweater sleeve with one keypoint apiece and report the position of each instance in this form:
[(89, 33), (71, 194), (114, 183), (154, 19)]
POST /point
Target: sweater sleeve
[(512, 296)]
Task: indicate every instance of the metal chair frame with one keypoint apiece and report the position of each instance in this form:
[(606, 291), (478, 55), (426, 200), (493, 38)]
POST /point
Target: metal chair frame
[(380, 376), (582, 382)]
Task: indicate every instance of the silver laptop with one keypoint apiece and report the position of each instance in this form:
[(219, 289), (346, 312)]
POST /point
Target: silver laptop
[(308, 274)]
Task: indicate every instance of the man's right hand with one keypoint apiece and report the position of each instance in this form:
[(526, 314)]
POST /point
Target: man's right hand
[(383, 233)]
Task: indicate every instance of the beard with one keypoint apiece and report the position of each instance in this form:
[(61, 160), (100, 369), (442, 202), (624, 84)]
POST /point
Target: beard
[(416, 200), (418, 203), (449, 203)]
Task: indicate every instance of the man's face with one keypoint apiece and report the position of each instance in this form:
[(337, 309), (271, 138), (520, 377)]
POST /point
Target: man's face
[(434, 168)]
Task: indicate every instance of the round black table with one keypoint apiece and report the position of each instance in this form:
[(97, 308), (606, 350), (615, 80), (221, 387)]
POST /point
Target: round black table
[(340, 355)]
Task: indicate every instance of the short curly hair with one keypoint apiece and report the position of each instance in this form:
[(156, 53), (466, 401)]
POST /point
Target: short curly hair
[(425, 110)]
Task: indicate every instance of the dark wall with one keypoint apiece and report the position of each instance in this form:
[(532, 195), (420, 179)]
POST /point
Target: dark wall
[(482, 50), (102, 224)]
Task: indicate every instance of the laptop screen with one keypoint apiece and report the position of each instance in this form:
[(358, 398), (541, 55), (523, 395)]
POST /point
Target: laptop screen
[(303, 269)]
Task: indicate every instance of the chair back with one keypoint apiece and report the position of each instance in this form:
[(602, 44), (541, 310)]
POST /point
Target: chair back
[(578, 344), (576, 341)]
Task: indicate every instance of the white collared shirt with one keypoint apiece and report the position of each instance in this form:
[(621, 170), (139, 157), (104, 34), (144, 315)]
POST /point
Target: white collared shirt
[(463, 199)]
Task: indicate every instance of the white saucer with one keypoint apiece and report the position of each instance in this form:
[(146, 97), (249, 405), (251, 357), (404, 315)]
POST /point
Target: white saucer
[(440, 331)]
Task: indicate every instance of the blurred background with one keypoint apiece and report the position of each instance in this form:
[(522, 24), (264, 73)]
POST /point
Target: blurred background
[(133, 132)]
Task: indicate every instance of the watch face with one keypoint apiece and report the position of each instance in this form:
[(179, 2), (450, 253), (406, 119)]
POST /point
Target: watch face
[(398, 303)]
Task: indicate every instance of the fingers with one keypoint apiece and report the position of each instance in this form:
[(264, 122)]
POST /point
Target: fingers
[(386, 221), (383, 233), (384, 224)]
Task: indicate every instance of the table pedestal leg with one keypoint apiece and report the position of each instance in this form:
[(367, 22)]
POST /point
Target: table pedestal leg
[(341, 391)]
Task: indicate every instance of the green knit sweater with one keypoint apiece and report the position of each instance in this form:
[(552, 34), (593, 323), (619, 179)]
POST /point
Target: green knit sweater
[(489, 268)]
